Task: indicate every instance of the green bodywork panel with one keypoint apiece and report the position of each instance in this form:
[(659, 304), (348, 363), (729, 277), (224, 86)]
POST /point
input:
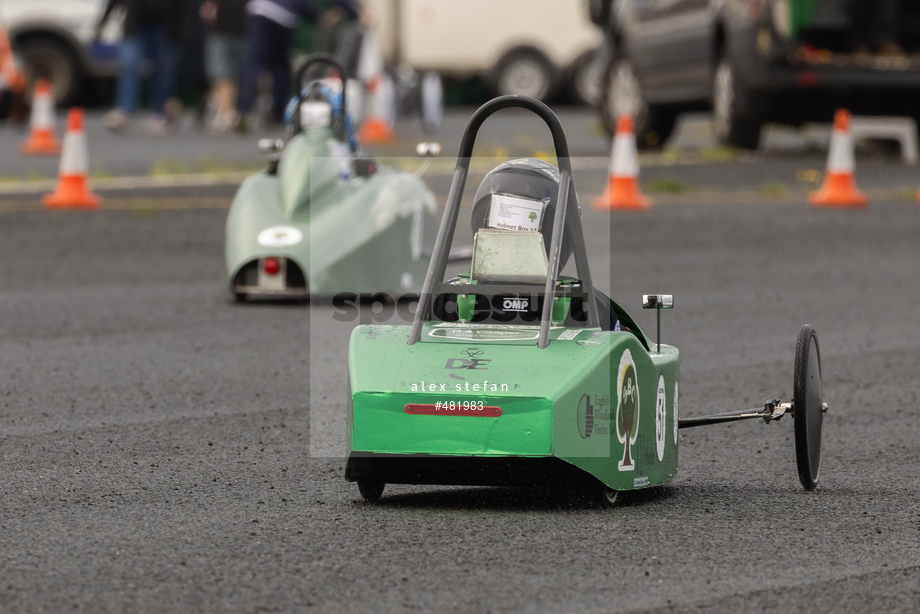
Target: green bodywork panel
[(561, 401), (360, 234)]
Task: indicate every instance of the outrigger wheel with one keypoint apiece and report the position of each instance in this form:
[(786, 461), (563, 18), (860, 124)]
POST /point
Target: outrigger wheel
[(808, 406)]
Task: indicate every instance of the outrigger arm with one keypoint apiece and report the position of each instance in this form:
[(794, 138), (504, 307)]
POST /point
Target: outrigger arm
[(772, 410)]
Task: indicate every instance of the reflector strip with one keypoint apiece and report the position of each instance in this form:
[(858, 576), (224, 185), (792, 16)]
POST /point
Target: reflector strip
[(456, 409)]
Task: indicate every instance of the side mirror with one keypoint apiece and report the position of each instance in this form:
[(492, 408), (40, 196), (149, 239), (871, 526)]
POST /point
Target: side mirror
[(428, 150), (270, 146), (657, 301)]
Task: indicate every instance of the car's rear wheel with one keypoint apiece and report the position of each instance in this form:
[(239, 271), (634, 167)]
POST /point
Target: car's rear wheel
[(524, 72), (621, 92), (735, 119), (606, 497), (371, 490)]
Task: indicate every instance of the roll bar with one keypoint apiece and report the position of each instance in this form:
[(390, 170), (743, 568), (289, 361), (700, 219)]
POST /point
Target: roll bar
[(566, 217), (312, 60)]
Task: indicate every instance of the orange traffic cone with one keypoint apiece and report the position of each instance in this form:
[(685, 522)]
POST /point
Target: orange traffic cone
[(42, 140), (377, 127), (839, 189), (623, 188), (72, 190)]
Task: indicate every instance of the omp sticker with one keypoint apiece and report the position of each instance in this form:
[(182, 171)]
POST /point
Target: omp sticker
[(676, 413), (568, 335), (661, 415), (515, 304), (627, 408), (280, 236), (640, 482)]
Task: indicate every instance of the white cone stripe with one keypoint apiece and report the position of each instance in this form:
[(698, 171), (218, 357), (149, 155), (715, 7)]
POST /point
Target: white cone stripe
[(624, 161), (840, 159), (43, 114), (370, 60), (73, 157)]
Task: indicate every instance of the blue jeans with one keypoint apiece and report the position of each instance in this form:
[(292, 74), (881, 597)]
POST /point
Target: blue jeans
[(267, 49), (150, 42)]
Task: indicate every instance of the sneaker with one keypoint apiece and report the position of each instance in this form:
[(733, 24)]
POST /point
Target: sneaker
[(158, 125), (224, 123), (117, 120)]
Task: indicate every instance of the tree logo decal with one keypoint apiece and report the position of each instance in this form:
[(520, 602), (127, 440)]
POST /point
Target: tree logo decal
[(532, 217), (627, 408)]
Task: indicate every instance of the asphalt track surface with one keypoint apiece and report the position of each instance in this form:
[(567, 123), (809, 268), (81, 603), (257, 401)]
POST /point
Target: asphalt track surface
[(155, 436)]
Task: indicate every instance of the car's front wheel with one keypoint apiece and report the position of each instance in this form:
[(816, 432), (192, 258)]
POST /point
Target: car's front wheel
[(49, 59), (621, 93), (735, 119)]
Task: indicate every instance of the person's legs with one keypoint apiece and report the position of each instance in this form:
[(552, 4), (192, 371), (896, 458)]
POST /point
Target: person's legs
[(258, 47), (167, 57), (281, 72), (130, 56)]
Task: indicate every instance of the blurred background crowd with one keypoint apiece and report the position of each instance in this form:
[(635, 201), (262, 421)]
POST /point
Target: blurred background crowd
[(230, 62)]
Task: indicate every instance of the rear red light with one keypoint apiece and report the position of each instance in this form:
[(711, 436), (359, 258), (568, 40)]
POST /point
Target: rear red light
[(808, 78), (271, 266)]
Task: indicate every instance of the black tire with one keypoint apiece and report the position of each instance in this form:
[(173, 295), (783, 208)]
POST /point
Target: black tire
[(621, 92), (737, 121), (585, 79), (525, 72), (371, 490), (50, 59), (606, 497), (808, 409)]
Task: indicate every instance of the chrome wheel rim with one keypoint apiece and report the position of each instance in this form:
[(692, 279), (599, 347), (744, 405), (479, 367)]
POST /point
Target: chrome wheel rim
[(525, 76), (723, 100)]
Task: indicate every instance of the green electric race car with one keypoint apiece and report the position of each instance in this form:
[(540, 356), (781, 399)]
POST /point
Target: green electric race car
[(322, 220), (516, 375)]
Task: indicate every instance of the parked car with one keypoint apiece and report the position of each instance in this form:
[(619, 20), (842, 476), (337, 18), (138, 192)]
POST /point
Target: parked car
[(54, 40), (535, 48), (752, 62)]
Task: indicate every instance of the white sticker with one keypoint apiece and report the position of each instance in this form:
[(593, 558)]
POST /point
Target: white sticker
[(514, 213), (315, 113), (280, 236), (637, 482), (661, 416), (568, 335), (676, 414)]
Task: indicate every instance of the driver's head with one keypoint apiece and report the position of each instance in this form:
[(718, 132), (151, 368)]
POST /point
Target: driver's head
[(521, 194)]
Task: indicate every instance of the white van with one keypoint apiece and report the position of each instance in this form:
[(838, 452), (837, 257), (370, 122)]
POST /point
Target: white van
[(532, 47), (54, 40)]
